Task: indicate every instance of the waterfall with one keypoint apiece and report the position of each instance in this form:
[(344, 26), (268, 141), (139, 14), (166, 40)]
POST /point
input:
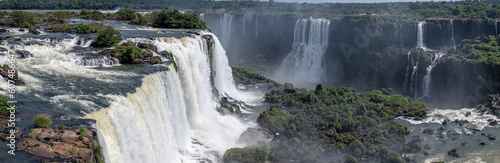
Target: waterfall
[(243, 25), (407, 72), (426, 85), (414, 81), (452, 39), (202, 16), (306, 58), (420, 35), (256, 27), (172, 117), (227, 20)]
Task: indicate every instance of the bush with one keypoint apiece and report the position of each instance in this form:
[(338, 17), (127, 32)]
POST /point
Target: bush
[(107, 37), (83, 132), (351, 159), (63, 139), (4, 104), (396, 101), (377, 96), (98, 151), (168, 18), (31, 135), (63, 28), (42, 121), (356, 144), (130, 53), (125, 14), (83, 28), (96, 27)]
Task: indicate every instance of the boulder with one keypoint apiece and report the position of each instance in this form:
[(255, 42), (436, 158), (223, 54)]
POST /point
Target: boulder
[(146, 46), (34, 31), (2, 30), (491, 137), (453, 152), (44, 133), (21, 30), (6, 133), (193, 32), (21, 54), (254, 135)]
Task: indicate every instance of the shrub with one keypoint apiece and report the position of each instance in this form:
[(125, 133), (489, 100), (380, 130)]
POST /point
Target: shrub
[(356, 144), (96, 26), (377, 96), (60, 127), (396, 101), (107, 37), (98, 151), (73, 151), (42, 121), (130, 53), (83, 132), (4, 104), (31, 135), (83, 28), (168, 18), (125, 14), (63, 139), (63, 28), (351, 159)]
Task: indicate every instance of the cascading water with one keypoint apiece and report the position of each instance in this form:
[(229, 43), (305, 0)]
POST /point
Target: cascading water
[(406, 74), (243, 25), (414, 80), (426, 85), (303, 65), (202, 16), (452, 39), (226, 21), (172, 117), (420, 35), (256, 27)]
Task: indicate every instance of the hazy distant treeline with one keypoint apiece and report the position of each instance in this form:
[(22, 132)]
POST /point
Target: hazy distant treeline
[(489, 9)]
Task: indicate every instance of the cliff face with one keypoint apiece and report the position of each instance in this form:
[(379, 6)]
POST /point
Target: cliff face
[(370, 52)]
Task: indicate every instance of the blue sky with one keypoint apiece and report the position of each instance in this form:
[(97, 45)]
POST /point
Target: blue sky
[(348, 1)]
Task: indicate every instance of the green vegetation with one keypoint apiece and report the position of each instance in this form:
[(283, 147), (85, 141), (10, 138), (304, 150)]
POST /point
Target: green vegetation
[(351, 159), (98, 151), (247, 155), (126, 14), (42, 121), (107, 37), (63, 139), (83, 132), (483, 50), (247, 77), (83, 28), (23, 19), (73, 151), (338, 116), (4, 104), (31, 135), (60, 127), (169, 18), (129, 53)]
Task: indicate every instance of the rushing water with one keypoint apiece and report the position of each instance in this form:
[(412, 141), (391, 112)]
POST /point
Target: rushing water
[(452, 39), (426, 85), (306, 58), (421, 35)]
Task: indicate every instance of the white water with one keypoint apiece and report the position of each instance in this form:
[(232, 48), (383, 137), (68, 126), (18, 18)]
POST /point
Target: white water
[(452, 39), (414, 80), (476, 120), (202, 16), (407, 72), (243, 25), (226, 22), (303, 65), (256, 27), (420, 35), (426, 85), (172, 117)]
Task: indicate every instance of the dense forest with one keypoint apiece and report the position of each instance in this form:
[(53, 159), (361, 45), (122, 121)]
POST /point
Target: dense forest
[(468, 9)]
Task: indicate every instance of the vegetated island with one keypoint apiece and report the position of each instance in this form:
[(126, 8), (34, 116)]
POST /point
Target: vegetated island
[(306, 124)]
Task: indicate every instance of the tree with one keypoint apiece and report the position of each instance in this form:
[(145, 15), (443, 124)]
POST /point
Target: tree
[(107, 37), (126, 14), (168, 18), (83, 28)]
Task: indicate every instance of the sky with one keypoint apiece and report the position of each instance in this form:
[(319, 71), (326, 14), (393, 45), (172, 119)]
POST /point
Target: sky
[(349, 1)]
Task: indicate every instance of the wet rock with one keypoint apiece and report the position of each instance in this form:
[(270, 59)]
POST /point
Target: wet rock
[(492, 122), (427, 147), (4, 72), (453, 152), (426, 153), (21, 30), (413, 146), (464, 143), (150, 60), (482, 144), (165, 54), (147, 46), (21, 54), (128, 44), (2, 30), (254, 135), (491, 137), (7, 133), (151, 38), (193, 32), (34, 31)]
